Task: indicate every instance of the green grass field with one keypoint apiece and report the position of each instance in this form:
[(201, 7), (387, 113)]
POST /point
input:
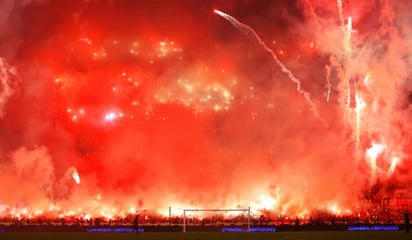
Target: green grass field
[(394, 235)]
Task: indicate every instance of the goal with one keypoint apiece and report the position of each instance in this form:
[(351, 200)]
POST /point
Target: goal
[(216, 210)]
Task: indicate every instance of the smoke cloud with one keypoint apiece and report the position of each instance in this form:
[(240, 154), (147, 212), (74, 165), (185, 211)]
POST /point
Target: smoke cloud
[(156, 104)]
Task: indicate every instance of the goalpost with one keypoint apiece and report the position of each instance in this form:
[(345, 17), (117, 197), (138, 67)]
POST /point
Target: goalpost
[(217, 210)]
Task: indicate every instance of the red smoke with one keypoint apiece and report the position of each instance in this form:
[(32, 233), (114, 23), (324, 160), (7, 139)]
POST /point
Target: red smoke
[(158, 104)]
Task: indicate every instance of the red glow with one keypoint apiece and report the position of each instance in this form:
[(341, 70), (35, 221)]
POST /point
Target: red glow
[(131, 104)]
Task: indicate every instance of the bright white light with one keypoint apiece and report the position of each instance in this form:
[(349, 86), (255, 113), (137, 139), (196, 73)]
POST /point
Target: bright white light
[(372, 154), (267, 202), (335, 209), (110, 116), (76, 177), (392, 167)]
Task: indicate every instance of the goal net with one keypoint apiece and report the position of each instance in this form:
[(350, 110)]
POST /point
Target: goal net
[(221, 216)]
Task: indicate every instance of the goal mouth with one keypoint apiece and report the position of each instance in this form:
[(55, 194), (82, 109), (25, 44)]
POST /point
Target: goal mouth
[(237, 221)]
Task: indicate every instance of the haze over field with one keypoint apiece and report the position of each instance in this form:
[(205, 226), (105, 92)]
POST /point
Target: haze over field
[(107, 107)]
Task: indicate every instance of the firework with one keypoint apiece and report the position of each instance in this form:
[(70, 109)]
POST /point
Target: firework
[(76, 177), (252, 34), (107, 111)]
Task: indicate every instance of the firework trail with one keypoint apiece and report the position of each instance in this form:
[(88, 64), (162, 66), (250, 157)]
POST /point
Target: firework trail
[(340, 11), (372, 154), (348, 52), (358, 101), (6, 91), (342, 23), (392, 167), (360, 105), (328, 72), (245, 29)]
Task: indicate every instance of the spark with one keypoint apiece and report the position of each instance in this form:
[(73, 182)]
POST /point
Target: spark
[(86, 40), (165, 48), (76, 177), (393, 165), (112, 116), (312, 45), (366, 79), (99, 54), (372, 154)]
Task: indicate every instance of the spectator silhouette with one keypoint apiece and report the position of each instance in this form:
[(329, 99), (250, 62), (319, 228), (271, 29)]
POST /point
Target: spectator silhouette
[(136, 224)]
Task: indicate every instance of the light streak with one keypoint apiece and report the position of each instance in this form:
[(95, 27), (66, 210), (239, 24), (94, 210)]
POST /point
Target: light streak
[(360, 105), (372, 154), (76, 177), (328, 84), (392, 167), (347, 66), (7, 75), (340, 11)]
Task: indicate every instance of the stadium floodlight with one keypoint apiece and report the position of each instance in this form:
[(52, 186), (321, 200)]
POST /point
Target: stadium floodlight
[(217, 210)]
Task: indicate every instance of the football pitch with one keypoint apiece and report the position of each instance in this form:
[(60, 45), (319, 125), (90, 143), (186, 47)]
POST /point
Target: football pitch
[(302, 235)]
